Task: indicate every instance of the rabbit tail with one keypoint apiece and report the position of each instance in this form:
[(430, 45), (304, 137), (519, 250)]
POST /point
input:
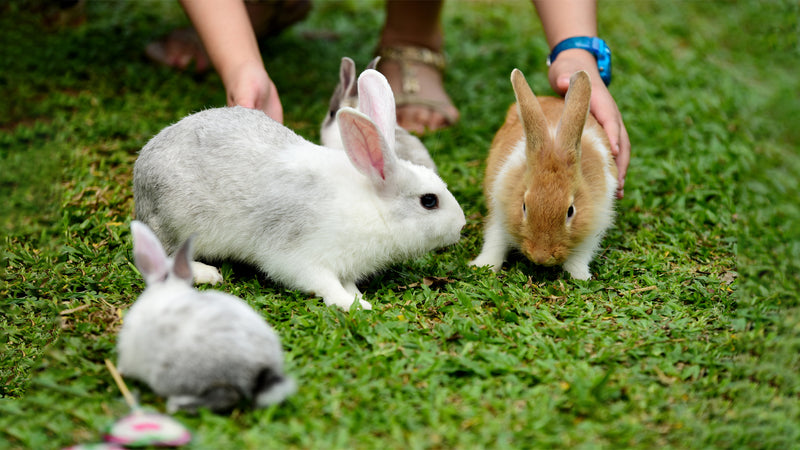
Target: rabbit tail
[(272, 388)]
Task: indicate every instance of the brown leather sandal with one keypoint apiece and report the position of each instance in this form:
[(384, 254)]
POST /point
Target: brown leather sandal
[(409, 58)]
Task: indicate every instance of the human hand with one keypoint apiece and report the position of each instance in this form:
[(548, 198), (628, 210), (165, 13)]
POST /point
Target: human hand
[(602, 105), (250, 86)]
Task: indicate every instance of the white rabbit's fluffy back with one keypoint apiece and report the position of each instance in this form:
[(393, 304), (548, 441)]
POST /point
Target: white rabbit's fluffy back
[(311, 217)]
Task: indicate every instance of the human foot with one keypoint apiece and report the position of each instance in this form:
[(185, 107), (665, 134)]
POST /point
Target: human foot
[(179, 49), (415, 75), (183, 46)]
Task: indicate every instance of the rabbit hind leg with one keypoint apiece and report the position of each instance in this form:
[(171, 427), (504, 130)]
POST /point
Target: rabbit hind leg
[(203, 273)]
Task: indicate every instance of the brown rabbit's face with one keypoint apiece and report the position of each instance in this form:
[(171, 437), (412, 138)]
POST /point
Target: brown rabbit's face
[(554, 212)]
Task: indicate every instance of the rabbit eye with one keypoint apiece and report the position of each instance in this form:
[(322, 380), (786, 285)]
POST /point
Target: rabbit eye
[(429, 201), (332, 113), (570, 212), (524, 209)]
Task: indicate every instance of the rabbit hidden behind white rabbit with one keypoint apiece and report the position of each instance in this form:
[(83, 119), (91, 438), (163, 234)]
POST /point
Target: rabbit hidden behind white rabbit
[(198, 349), (550, 181), (348, 93), (312, 218)]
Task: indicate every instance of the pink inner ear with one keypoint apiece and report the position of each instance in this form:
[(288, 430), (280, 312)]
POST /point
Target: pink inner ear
[(375, 99), (148, 253), (182, 264), (363, 143)]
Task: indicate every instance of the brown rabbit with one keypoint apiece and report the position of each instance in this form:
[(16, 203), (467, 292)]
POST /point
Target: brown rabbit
[(550, 181)]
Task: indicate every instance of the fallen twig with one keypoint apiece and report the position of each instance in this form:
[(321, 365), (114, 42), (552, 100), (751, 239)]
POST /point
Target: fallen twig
[(67, 312)]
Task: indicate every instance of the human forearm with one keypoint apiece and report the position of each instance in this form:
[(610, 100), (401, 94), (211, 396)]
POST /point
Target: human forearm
[(224, 28), (562, 19), (227, 34)]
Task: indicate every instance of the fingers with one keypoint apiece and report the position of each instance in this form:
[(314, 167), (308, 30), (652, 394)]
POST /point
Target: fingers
[(623, 158), (608, 116), (252, 87), (272, 104)]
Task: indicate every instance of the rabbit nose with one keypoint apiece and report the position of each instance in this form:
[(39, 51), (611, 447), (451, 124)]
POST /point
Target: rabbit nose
[(543, 257), (546, 260)]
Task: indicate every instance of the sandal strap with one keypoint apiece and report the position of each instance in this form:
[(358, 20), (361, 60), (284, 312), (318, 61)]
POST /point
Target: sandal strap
[(414, 54)]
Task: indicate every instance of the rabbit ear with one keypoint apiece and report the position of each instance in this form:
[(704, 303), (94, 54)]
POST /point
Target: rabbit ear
[(148, 254), (375, 99), (365, 145), (573, 119), (530, 112), (182, 261), (347, 77), (374, 63)]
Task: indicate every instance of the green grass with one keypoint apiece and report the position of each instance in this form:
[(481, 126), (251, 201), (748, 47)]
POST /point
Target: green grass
[(688, 337)]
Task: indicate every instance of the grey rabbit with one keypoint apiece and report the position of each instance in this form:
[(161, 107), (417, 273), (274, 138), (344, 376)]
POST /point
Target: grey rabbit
[(199, 349), (347, 93)]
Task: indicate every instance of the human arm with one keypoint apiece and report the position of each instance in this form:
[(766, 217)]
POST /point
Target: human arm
[(563, 19), (228, 37)]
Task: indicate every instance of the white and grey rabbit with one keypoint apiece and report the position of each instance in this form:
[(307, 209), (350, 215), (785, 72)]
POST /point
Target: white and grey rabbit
[(312, 218), (199, 349), (348, 93)]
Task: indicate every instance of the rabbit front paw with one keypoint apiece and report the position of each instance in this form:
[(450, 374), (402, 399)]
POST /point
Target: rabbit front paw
[(487, 260), (346, 302), (579, 271), (365, 304)]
